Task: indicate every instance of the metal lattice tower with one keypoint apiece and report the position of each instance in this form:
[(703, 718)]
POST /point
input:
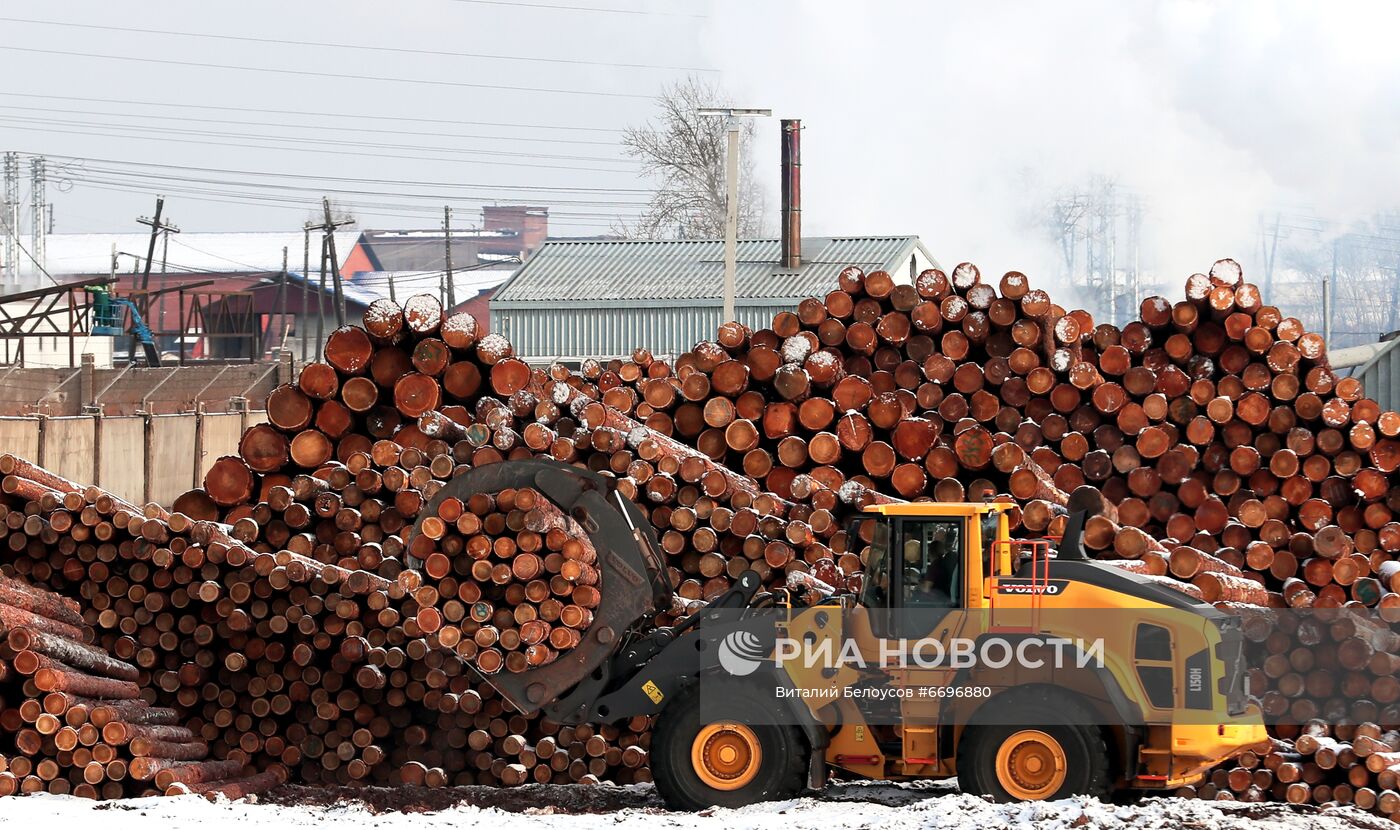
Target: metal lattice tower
[(1088, 223), (39, 219), (9, 267)]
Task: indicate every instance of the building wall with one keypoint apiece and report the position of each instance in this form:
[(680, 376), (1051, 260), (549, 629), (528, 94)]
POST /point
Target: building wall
[(544, 333), (531, 222), (918, 263), (357, 261)]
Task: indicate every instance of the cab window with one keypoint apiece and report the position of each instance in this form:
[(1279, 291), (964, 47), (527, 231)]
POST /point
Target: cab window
[(877, 582), (931, 558)]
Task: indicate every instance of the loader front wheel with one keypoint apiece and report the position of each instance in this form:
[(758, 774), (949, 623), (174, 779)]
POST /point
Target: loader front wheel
[(734, 756)]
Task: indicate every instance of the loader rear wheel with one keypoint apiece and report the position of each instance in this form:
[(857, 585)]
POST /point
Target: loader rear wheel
[(1030, 764), (734, 756), (1062, 754)]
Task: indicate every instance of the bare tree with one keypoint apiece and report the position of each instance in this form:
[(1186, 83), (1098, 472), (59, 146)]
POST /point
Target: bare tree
[(1362, 263), (683, 152)]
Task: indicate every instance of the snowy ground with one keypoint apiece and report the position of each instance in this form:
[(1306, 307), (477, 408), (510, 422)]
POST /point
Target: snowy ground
[(849, 807)]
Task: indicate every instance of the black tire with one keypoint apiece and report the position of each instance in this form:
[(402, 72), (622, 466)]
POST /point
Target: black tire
[(1062, 717), (782, 770)]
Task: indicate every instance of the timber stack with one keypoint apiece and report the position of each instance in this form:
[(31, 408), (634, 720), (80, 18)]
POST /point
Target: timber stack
[(1209, 440), (310, 671), (77, 723)]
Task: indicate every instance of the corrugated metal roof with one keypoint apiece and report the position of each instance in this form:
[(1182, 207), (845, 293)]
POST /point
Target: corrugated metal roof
[(1377, 366), (565, 271)]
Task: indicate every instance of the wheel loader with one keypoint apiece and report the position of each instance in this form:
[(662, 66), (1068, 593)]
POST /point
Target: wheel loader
[(1075, 677)]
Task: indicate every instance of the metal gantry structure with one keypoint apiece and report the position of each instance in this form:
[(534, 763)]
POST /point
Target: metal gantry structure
[(62, 310), (39, 212), (1099, 231), (9, 268)]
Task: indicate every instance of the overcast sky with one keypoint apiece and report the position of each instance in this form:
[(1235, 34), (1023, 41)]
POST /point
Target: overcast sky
[(950, 120)]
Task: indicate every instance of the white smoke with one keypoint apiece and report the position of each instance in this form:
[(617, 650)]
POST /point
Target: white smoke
[(955, 120)]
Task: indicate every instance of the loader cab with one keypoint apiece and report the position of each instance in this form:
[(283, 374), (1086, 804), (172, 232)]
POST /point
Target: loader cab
[(926, 560)]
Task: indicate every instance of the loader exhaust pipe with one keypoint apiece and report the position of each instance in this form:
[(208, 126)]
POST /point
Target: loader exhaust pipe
[(1072, 542)]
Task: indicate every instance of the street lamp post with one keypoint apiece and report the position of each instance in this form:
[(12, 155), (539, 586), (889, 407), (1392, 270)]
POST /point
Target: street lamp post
[(731, 115)]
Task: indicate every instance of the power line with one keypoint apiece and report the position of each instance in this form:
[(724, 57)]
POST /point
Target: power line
[(86, 171), (181, 268), (349, 179), (358, 129), (304, 113), (356, 46), (142, 187), (302, 206), (288, 191), (355, 154), (560, 7), (319, 140), (314, 74)]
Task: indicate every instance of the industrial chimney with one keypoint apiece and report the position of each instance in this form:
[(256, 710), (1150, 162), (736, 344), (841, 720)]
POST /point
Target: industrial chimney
[(791, 135)]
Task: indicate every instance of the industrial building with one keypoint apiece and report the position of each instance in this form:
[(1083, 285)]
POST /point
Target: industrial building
[(1376, 365), (601, 299)]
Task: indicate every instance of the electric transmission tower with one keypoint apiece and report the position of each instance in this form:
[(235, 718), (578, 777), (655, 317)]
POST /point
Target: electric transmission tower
[(9, 268), (39, 219), (1098, 228)]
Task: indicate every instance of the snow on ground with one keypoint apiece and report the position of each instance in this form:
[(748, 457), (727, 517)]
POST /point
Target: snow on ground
[(850, 807)]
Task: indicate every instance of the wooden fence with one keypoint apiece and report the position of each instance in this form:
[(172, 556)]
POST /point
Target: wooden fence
[(139, 457)]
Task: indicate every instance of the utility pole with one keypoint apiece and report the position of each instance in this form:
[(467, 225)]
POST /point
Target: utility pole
[(328, 228), (1327, 287), (282, 303), (303, 321), (1270, 250), (321, 304), (447, 245), (158, 227), (731, 204)]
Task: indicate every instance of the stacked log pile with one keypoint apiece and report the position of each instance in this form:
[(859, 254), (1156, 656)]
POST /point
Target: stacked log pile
[(272, 570), (1209, 439), (1324, 764), (271, 657), (950, 389), (72, 719)]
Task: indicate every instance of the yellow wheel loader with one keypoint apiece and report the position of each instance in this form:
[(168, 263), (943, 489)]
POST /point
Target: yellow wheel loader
[(1021, 667)]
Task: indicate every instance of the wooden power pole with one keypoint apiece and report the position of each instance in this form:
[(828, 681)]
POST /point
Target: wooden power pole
[(158, 229), (328, 228)]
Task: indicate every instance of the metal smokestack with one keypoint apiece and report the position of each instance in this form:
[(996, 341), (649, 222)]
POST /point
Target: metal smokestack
[(791, 135)]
